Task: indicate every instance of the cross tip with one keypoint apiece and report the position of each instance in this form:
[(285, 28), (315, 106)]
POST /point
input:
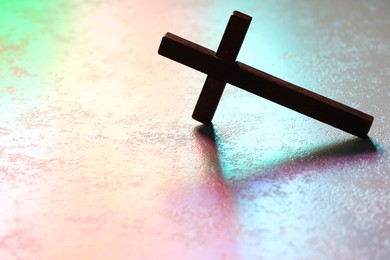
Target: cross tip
[(166, 38), (370, 120), (168, 35), (242, 15)]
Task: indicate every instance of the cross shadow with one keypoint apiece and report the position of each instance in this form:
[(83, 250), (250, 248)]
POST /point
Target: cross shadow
[(350, 147), (349, 151), (206, 131), (221, 195), (208, 150), (214, 190)]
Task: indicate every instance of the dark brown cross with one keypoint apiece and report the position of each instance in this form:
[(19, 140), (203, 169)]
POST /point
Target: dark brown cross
[(222, 68)]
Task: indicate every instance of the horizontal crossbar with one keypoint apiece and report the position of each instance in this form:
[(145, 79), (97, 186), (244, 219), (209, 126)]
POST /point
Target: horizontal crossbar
[(267, 86)]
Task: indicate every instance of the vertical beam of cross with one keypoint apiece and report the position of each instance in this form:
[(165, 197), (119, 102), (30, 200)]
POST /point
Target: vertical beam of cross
[(228, 50)]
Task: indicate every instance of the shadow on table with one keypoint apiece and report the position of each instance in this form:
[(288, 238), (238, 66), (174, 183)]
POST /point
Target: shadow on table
[(206, 131), (345, 152), (352, 146)]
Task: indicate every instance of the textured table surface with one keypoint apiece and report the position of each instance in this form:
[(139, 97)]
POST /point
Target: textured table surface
[(100, 159)]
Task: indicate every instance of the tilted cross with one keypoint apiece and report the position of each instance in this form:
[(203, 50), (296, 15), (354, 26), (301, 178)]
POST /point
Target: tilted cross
[(222, 67)]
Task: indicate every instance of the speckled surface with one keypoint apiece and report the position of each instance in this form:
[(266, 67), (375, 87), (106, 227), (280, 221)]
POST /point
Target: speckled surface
[(100, 159)]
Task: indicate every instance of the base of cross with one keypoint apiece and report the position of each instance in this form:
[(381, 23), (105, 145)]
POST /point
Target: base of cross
[(222, 68)]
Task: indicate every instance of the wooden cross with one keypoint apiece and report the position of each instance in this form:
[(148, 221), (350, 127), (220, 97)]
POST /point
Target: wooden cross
[(222, 68)]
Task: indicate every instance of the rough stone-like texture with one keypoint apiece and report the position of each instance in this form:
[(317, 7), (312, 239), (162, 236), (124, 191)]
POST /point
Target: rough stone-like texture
[(100, 159)]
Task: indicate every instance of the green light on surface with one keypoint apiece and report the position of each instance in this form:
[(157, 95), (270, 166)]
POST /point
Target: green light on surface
[(29, 34), (33, 35)]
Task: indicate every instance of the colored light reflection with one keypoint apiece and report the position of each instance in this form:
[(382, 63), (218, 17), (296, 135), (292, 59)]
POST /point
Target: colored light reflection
[(273, 196), (32, 36), (29, 43), (102, 160)]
